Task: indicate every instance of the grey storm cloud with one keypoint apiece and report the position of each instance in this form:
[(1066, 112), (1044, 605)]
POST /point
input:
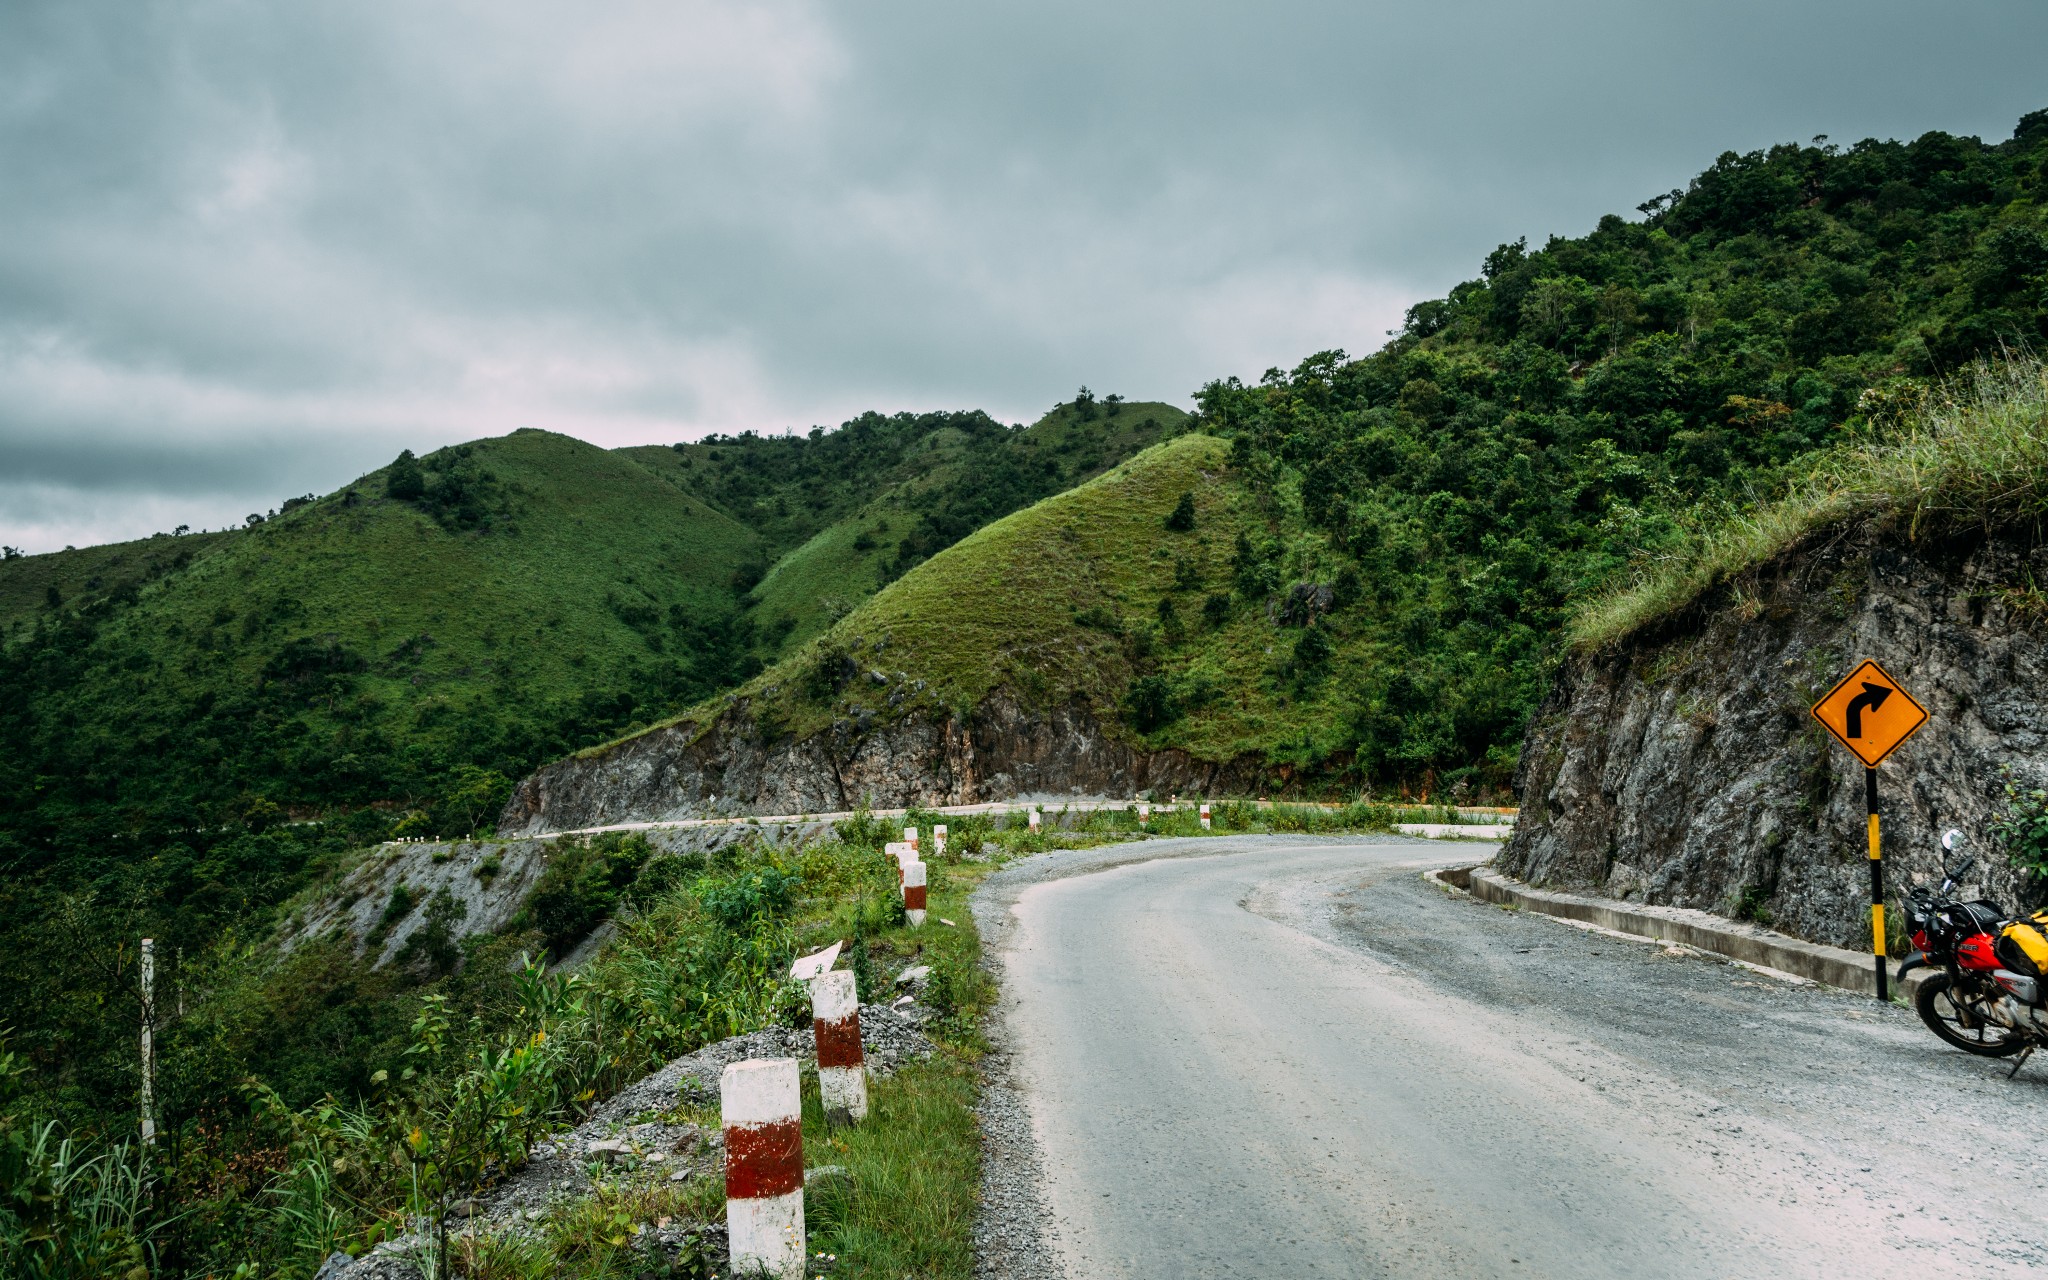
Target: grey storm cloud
[(249, 250)]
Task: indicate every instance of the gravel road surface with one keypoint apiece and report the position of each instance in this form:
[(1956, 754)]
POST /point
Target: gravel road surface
[(1292, 1056)]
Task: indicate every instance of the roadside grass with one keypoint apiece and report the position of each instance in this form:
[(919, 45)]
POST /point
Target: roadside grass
[(1972, 451)]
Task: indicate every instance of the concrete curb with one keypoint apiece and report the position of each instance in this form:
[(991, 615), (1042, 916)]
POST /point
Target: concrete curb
[(1752, 944)]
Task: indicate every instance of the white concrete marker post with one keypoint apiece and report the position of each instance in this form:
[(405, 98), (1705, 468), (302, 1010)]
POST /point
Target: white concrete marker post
[(1036, 820), (899, 853), (842, 1070), (913, 893), (910, 838), (761, 1106), (1205, 817), (1144, 815), (149, 1042), (939, 840)]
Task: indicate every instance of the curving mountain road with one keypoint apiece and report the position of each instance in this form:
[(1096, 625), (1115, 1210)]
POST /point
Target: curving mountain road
[(1277, 1056)]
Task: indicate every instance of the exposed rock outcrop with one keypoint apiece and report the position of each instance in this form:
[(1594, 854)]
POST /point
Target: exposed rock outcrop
[(1000, 750), (1683, 768), (382, 902)]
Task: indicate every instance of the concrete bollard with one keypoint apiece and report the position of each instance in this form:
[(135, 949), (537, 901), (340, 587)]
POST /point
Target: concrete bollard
[(899, 853), (760, 1104), (939, 840), (910, 838), (1205, 817), (1144, 815), (842, 1071), (1036, 820), (913, 893)]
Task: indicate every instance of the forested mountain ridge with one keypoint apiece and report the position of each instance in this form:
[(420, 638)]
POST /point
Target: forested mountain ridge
[(1390, 547), (1573, 410)]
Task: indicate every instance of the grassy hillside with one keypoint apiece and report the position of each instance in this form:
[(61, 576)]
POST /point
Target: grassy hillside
[(80, 577), (356, 648), (842, 514), (1971, 453), (1143, 594)]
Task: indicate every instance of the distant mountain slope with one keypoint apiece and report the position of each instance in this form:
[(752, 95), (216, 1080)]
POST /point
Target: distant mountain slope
[(1102, 638), (85, 575), (532, 590), (843, 513)]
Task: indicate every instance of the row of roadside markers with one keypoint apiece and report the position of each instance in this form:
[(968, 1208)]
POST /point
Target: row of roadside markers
[(761, 1101), (760, 1105)]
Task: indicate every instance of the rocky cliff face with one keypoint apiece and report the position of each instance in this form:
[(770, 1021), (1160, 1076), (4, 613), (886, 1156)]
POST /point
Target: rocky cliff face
[(1683, 767), (731, 767)]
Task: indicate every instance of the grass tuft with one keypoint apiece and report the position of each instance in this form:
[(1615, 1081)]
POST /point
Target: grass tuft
[(1973, 452)]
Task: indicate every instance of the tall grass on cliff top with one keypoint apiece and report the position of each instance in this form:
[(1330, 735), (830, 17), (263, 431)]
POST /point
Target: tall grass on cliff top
[(1972, 451)]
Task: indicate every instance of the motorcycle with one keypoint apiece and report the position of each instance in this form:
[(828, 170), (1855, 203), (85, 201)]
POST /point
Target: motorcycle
[(1989, 998)]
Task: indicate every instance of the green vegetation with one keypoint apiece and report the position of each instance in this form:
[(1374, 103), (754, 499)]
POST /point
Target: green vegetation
[(844, 512), (1378, 559), (1968, 452), (1353, 576), (195, 728)]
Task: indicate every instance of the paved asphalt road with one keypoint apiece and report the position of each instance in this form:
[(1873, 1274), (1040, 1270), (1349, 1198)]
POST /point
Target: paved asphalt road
[(1273, 1056)]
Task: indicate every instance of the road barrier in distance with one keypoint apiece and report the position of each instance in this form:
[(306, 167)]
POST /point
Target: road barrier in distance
[(760, 1104), (842, 1070), (913, 893)]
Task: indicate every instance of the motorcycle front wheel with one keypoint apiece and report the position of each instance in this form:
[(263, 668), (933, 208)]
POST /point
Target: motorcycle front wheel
[(1945, 1017)]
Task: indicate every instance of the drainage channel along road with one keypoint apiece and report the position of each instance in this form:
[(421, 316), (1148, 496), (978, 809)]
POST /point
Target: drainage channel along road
[(1293, 1056)]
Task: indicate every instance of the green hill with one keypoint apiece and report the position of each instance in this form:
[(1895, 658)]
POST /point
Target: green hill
[(846, 512), (190, 726), (1389, 548)]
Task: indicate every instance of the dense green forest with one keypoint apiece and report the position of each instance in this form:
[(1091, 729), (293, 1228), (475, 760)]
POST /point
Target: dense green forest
[(1366, 588), (1570, 413)]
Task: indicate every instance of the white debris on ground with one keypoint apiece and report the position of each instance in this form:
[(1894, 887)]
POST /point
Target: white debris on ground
[(637, 1136)]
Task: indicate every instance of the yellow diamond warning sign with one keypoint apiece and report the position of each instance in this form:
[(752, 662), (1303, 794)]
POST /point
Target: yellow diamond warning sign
[(1870, 713)]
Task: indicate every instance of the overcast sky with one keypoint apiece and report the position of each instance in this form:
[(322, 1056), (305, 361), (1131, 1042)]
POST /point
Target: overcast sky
[(251, 249)]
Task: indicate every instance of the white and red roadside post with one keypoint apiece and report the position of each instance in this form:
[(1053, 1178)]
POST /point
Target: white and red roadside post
[(760, 1104), (910, 838), (939, 840), (1036, 820), (913, 893), (899, 853), (1144, 814), (1205, 817), (842, 1070)]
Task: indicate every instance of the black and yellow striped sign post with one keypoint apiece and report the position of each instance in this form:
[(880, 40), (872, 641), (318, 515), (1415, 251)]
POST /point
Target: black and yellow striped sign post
[(1871, 714)]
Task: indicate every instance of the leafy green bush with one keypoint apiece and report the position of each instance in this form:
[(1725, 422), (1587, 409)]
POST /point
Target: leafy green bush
[(581, 885)]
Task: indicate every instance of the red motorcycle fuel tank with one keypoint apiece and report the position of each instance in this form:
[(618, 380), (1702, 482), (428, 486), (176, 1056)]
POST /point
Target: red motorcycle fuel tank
[(1976, 953)]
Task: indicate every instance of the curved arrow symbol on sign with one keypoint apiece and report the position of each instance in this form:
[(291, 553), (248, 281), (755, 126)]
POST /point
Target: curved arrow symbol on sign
[(1873, 696)]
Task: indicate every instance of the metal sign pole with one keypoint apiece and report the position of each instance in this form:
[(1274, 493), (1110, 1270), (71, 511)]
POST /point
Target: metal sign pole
[(1877, 943)]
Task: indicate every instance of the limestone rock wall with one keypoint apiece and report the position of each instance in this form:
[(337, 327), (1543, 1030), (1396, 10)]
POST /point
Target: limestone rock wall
[(1683, 768), (1000, 750)]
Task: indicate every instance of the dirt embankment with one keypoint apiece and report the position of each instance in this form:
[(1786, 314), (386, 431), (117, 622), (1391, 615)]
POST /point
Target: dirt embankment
[(1682, 767), (998, 751)]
